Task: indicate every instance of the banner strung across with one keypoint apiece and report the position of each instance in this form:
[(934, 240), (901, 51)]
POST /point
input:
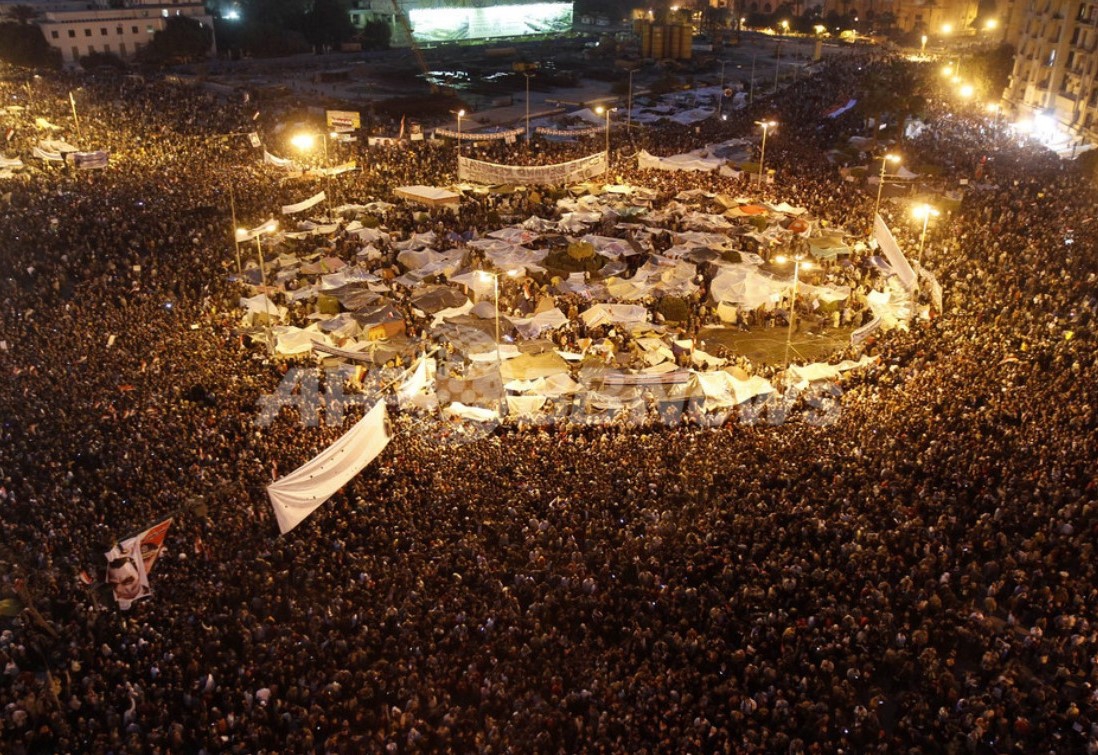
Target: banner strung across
[(574, 171)]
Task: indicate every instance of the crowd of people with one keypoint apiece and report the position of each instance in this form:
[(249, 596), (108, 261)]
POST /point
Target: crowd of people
[(913, 576)]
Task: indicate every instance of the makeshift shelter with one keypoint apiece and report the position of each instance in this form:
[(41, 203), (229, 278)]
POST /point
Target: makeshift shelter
[(431, 196), (827, 247)]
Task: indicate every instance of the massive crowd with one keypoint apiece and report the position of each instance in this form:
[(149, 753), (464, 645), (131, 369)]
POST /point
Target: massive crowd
[(915, 576)]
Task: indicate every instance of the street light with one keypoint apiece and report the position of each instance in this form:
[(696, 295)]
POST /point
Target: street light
[(600, 110), (527, 75), (484, 275), (460, 114), (885, 160), (922, 48), (924, 212), (243, 234), (720, 91), (966, 91), (629, 105), (306, 142), (751, 93), (799, 261), (766, 126)]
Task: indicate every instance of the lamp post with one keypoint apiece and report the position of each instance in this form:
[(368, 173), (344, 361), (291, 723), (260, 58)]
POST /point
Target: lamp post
[(305, 142), (484, 275), (243, 234), (629, 104), (720, 91), (885, 159), (777, 63), (236, 234), (75, 119), (924, 212), (600, 110), (460, 114), (799, 261), (751, 94), (527, 75), (766, 126)]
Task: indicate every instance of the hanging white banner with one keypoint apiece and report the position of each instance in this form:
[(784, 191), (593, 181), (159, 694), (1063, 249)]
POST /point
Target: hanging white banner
[(313, 201), (574, 171)]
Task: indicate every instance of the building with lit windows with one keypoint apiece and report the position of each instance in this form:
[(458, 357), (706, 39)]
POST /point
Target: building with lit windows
[(1054, 84), (121, 27)]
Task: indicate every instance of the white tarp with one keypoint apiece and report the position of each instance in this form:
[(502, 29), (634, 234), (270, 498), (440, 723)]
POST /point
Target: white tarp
[(313, 201), (474, 413), (892, 253), (689, 161), (301, 492), (533, 327), (13, 163), (624, 314), (428, 195), (744, 285)]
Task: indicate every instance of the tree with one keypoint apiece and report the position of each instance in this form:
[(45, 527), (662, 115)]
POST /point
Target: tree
[(24, 45), (327, 24), (21, 14), (182, 40), (376, 35)]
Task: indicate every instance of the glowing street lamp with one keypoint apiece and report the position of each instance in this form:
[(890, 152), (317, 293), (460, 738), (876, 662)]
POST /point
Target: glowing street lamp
[(766, 126), (885, 160), (991, 24), (922, 49), (924, 212), (947, 28), (720, 89), (785, 27), (799, 262), (460, 114), (485, 275), (966, 91), (305, 141), (600, 110)]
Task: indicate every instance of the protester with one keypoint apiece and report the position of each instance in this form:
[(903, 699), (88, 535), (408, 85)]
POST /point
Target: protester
[(916, 575)]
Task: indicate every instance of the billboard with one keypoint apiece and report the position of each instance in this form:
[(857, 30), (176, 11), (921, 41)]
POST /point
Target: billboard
[(503, 20)]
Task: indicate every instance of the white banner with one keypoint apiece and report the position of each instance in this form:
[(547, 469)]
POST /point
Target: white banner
[(278, 162), (892, 253), (574, 171), (468, 136), (313, 201), (565, 132), (304, 490)]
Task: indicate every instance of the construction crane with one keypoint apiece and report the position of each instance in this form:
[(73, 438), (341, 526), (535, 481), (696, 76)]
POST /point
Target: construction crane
[(406, 26)]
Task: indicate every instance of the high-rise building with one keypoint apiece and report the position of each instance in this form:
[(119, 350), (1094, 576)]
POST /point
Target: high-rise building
[(1054, 83)]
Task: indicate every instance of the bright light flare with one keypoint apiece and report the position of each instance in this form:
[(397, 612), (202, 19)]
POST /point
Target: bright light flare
[(303, 142)]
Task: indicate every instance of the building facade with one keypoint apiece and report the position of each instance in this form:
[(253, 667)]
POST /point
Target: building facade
[(77, 29), (1054, 83)]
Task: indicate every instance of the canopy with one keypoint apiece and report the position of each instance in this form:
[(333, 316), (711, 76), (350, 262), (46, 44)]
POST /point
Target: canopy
[(428, 195)]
